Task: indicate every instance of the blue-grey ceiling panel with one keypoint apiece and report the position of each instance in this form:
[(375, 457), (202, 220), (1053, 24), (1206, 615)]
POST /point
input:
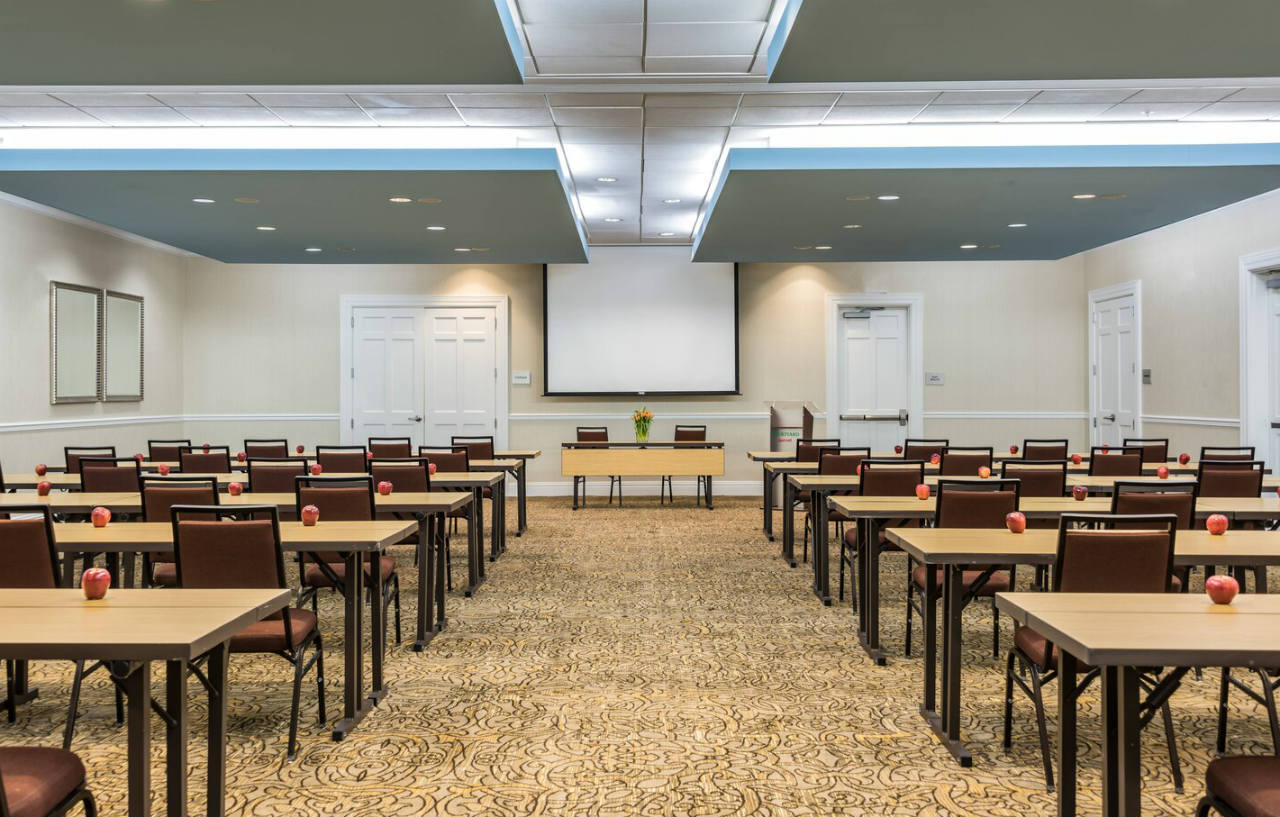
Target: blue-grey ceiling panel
[(502, 205), (768, 202)]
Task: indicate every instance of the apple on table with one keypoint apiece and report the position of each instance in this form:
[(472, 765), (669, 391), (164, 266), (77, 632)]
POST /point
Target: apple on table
[(162, 470), (42, 469), (897, 449), (1221, 589), (310, 515), (1016, 522), (1162, 472), (1076, 459), (43, 488), (299, 449), (94, 582), (241, 456), (100, 516), (984, 472), (922, 491), (317, 470), (1184, 458), (934, 459), (385, 488), (1013, 449), (1217, 524), (1079, 493), (431, 468), (235, 489)]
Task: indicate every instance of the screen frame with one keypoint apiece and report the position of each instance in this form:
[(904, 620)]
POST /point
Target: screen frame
[(737, 357)]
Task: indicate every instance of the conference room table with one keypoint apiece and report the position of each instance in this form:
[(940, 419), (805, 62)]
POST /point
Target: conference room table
[(477, 482), (62, 481), (954, 549), (130, 629), (1120, 634), (78, 502), (653, 458)]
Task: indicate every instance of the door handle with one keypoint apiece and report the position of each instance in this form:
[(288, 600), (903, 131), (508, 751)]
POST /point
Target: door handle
[(1110, 418), (900, 418), (416, 419)]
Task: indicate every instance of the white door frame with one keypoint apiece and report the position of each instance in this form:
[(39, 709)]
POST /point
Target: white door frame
[(913, 302), (1255, 379), (501, 306), (1133, 288)]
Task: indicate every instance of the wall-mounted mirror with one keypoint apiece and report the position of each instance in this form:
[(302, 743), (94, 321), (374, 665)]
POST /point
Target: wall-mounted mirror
[(74, 361), (122, 347)]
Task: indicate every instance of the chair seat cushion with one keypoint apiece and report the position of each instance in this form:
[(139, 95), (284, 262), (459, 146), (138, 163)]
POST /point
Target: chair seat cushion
[(313, 576), (1033, 646), (1250, 785), (997, 582), (268, 635), (38, 778), (851, 536), (165, 574)]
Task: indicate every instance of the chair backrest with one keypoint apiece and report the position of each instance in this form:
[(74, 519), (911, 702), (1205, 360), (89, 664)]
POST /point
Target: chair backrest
[(691, 434), (381, 447), (276, 449), (1154, 449), (342, 459), (1115, 462), (1038, 477), (28, 557), (274, 475), (159, 494), (196, 460), (970, 504), (454, 460), (593, 434), (810, 450), (1230, 478), (404, 473), (890, 477), (342, 499), (842, 461), (165, 450), (109, 473), (964, 462), (1148, 499), (1224, 453), (1043, 449), (1095, 557), (920, 449), (71, 455), (478, 448)]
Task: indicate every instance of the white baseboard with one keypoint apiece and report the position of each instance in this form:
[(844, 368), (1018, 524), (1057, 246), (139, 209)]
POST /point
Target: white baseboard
[(599, 486)]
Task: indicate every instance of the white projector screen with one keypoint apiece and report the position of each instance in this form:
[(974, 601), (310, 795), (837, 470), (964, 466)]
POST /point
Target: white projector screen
[(640, 321)]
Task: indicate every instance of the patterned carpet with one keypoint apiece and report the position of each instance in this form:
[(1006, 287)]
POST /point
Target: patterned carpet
[(642, 661)]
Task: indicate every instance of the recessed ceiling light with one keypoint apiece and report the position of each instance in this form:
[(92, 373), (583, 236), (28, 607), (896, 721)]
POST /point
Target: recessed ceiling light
[(246, 200), (429, 201), (1085, 196), (889, 197), (803, 247), (400, 200), (823, 247), (671, 201), (314, 249), (1112, 196), (666, 235), (267, 229), (613, 220), (435, 228), (968, 246), (606, 179), (858, 197), (853, 226), (1017, 224), (462, 249), (203, 201)]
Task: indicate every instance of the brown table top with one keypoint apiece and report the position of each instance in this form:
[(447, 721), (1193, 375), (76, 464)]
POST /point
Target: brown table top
[(77, 501), (467, 479), (911, 508), (399, 501), (127, 625), (294, 536), (71, 482), (1160, 629), (1248, 507)]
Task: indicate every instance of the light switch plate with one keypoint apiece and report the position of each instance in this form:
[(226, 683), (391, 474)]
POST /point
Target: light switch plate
[(520, 379), (1146, 377), (934, 379)]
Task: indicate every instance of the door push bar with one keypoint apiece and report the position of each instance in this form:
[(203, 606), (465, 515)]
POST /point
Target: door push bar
[(900, 418)]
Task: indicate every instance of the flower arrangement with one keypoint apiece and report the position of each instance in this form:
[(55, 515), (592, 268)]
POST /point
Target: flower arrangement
[(642, 418)]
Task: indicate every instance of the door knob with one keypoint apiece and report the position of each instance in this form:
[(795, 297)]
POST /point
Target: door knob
[(1110, 418), (416, 419)]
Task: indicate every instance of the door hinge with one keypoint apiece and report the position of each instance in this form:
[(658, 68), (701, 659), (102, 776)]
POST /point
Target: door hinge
[(353, 372), (353, 422), (495, 372), (353, 321), (495, 423), (1095, 368), (1095, 422)]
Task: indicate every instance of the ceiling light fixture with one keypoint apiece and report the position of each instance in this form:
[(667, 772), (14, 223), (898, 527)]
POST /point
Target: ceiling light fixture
[(823, 247), (606, 179), (462, 249), (1017, 224), (436, 228), (203, 201), (267, 229), (400, 200), (968, 246), (314, 249), (802, 247), (613, 220), (888, 197), (671, 201), (666, 235), (1083, 196), (853, 226)]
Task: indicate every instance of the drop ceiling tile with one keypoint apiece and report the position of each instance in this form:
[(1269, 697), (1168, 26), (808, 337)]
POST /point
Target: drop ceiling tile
[(139, 117), (576, 11), (584, 40), (689, 116), (683, 11), (1180, 94), (620, 117), (1081, 96), (1147, 111), (305, 100), (789, 100), (780, 116), (416, 117), (21, 100), (684, 136), (1261, 94), (45, 117), (691, 100), (231, 117), (1235, 112), (337, 117), (206, 100), (1058, 112), (589, 99), (872, 114), (703, 39), (982, 97), (402, 100), (965, 113), (600, 136), (505, 117), (698, 65), (110, 100), (588, 65), (620, 161), (887, 98), (532, 99)]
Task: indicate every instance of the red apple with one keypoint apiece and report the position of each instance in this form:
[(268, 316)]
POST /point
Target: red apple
[(299, 449), (1162, 472), (859, 471), (922, 491), (1076, 459), (42, 469), (235, 488), (100, 516), (316, 470), (897, 449), (162, 470), (431, 468), (206, 447), (1013, 449), (1079, 493), (240, 456), (139, 457), (385, 488), (1016, 522), (984, 471), (1278, 490), (935, 459), (1184, 458), (1222, 589), (1105, 448), (1217, 524), (43, 488), (368, 455), (94, 582), (310, 515)]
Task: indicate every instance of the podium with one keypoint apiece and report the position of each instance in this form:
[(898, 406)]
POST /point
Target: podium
[(789, 420)]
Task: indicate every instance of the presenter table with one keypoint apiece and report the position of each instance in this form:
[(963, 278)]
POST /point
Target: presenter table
[(648, 459)]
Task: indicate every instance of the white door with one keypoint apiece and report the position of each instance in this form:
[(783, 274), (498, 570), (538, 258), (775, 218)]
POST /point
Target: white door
[(387, 375), (873, 369), (461, 373), (1115, 370), (1272, 450)]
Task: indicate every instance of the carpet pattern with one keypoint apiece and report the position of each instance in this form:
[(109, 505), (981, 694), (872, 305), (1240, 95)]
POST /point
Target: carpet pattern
[(654, 661)]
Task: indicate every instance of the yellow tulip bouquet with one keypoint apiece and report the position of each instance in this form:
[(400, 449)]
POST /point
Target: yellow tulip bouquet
[(642, 418)]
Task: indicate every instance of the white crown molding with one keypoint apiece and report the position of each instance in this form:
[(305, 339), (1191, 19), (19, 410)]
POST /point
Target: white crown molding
[(237, 418), (569, 416), (649, 487), (1006, 415), (1181, 420), (153, 419)]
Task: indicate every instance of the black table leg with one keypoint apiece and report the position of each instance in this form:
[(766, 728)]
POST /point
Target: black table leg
[(475, 548), (438, 540), (769, 477), (522, 509), (426, 624), (788, 522), (479, 503), (821, 559), (353, 703), (377, 628), (136, 680), (711, 505), (870, 597), (217, 669), (930, 706), (497, 533), (575, 493), (947, 727), (175, 733), (1066, 734), (1121, 784)]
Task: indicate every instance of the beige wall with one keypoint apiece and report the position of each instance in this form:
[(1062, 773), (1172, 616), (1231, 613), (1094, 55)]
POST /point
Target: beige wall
[(39, 249)]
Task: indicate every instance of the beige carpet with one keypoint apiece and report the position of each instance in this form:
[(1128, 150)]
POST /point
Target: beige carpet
[(649, 661)]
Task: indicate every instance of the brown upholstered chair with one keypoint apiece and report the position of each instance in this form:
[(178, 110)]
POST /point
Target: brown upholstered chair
[(478, 448), (920, 449), (964, 461), (1115, 462), (39, 780), (841, 461), (1215, 452), (274, 475), (159, 494), (449, 460), (1155, 450), (342, 459), (1038, 477), (71, 455), (28, 559), (1241, 786), (1230, 478), (165, 450), (343, 499), (879, 477), (196, 460), (275, 449), (596, 434), (967, 504), (404, 473), (810, 449), (109, 474), (683, 434), (1096, 557), (1044, 449), (1146, 498), (216, 552), (384, 447)]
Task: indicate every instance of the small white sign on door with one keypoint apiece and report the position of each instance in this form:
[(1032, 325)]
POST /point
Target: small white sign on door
[(934, 379)]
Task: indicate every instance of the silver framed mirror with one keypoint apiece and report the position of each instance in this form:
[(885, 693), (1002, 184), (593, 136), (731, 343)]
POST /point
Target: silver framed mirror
[(75, 353), (122, 347)]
